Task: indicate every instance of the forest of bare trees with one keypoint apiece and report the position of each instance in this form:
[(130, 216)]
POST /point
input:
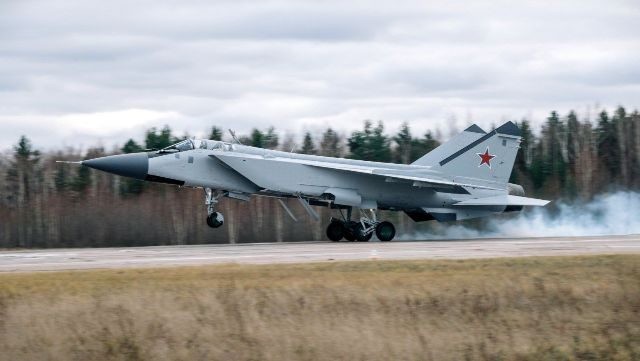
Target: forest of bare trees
[(47, 204)]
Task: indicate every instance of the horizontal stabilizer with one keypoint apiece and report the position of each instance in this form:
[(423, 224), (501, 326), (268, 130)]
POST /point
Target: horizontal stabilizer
[(503, 200)]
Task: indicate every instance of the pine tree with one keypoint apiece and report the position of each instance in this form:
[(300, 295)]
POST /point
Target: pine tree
[(379, 145), (404, 143), (271, 139), (22, 171), (621, 124), (60, 179), (155, 139), (257, 138), (554, 154), (608, 149), (216, 133), (307, 144), (82, 180), (357, 143), (573, 150), (131, 147), (370, 144), (330, 145)]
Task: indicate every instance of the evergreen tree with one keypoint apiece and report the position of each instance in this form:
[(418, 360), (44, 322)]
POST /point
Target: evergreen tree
[(404, 143), (380, 145), (554, 152), (216, 133), (608, 149), (257, 138), (60, 179), (573, 132), (573, 151), (307, 144), (358, 143), (330, 145), (82, 180), (22, 172), (271, 140), (370, 144), (131, 147), (621, 124), (537, 168), (155, 139)]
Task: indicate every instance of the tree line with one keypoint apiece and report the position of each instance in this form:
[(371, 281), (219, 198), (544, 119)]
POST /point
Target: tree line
[(48, 204)]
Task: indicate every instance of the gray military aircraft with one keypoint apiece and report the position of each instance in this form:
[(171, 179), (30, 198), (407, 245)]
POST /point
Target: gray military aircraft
[(466, 177)]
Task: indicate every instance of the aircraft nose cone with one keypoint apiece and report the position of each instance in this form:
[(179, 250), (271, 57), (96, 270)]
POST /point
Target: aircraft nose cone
[(134, 165)]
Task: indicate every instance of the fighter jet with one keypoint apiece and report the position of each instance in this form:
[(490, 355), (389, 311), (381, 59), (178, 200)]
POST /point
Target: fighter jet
[(466, 177)]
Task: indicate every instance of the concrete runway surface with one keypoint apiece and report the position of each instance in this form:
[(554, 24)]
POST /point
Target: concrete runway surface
[(263, 253)]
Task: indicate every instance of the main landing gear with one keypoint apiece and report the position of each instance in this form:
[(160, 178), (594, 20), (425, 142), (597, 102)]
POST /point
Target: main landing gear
[(214, 219), (361, 231)]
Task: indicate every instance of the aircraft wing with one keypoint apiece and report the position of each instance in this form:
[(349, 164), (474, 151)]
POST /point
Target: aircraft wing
[(440, 185), (503, 200), (418, 181)]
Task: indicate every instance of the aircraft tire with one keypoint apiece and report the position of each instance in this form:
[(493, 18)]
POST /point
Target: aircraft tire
[(335, 231), (360, 235), (215, 220), (385, 231), (350, 230)]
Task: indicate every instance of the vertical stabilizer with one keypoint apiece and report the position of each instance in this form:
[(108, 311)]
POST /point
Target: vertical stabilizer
[(489, 157)]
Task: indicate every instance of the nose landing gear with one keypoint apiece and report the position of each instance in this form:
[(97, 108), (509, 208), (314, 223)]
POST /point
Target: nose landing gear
[(214, 219), (361, 231)]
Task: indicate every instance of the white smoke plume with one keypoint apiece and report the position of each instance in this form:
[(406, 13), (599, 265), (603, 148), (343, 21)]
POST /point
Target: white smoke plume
[(608, 214)]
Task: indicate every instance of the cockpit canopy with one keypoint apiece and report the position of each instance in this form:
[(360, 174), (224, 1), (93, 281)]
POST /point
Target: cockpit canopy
[(190, 144), (214, 144)]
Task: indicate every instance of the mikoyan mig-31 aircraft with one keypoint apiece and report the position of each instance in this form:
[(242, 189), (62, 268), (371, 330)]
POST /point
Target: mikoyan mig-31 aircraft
[(466, 177)]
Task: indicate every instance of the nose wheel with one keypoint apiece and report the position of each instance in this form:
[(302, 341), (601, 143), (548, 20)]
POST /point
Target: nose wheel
[(214, 219)]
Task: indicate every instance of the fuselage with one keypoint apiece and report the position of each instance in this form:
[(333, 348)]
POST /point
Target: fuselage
[(252, 173)]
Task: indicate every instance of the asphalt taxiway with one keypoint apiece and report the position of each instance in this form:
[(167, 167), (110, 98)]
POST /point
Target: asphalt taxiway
[(299, 252)]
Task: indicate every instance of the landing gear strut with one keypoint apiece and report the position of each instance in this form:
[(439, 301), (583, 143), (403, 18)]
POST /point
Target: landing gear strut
[(214, 219), (361, 231)]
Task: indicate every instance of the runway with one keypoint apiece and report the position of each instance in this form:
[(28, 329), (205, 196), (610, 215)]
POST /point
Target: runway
[(265, 253)]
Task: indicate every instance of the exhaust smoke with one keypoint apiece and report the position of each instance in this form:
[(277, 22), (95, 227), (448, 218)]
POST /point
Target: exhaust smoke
[(607, 214)]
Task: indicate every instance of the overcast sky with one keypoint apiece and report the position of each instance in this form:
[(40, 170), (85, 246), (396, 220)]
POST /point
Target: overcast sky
[(80, 73)]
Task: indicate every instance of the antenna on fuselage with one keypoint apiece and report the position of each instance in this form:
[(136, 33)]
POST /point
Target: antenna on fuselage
[(233, 135)]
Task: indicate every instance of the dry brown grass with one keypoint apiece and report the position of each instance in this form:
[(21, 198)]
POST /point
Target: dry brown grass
[(559, 308)]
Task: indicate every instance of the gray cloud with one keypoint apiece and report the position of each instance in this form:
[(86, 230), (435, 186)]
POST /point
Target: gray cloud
[(305, 65)]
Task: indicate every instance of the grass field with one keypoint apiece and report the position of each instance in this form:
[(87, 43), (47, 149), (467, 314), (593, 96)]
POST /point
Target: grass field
[(558, 308)]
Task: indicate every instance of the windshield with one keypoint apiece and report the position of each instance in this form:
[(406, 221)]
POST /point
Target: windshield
[(179, 147)]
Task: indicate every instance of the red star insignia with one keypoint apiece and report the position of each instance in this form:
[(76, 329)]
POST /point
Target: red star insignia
[(485, 158)]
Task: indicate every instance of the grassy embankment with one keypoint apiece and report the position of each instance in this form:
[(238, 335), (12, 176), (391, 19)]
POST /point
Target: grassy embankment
[(512, 309)]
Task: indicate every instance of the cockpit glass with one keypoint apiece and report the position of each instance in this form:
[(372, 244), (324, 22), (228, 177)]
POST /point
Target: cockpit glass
[(213, 145), (179, 147)]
